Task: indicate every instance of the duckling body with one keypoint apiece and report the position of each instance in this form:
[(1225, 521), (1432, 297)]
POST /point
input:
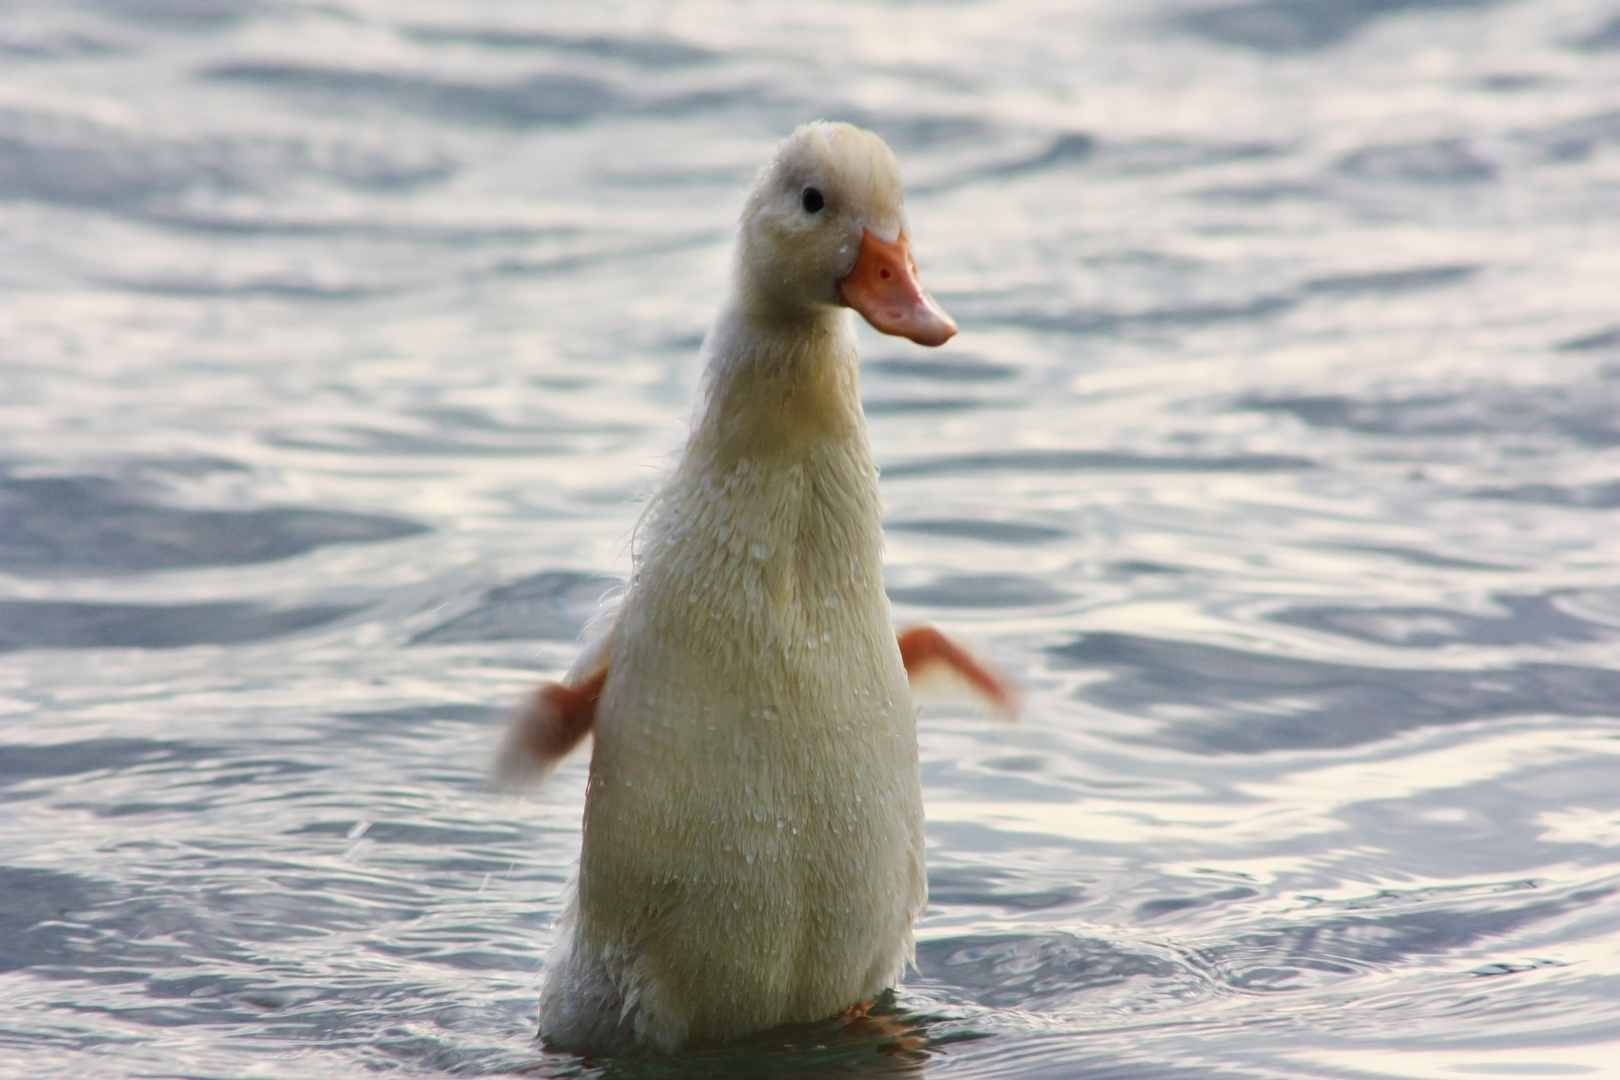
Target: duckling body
[(753, 833), (753, 848)]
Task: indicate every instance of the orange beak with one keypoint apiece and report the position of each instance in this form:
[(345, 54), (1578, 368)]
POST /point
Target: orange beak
[(883, 287)]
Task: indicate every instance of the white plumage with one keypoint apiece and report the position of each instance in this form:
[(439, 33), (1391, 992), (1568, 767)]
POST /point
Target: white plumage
[(753, 836)]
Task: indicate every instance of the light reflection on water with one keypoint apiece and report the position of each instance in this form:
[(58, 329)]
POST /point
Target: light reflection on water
[(1277, 457)]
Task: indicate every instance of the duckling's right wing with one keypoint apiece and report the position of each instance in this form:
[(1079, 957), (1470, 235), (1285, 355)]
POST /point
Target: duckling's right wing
[(556, 719)]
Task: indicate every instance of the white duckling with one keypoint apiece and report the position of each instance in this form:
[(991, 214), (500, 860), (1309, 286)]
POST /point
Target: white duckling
[(753, 836)]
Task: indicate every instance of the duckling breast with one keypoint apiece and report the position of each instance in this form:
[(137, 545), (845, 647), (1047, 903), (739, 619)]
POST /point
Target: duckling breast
[(754, 820)]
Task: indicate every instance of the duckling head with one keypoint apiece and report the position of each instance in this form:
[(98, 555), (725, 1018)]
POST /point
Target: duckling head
[(825, 226)]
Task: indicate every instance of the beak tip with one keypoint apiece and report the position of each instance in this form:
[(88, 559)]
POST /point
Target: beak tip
[(936, 327)]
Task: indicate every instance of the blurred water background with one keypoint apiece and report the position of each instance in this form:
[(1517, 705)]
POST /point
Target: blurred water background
[(1278, 457)]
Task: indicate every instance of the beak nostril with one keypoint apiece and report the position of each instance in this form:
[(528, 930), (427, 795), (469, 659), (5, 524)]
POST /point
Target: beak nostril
[(885, 274)]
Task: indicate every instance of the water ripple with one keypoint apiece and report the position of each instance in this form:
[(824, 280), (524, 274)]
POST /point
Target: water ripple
[(1250, 702)]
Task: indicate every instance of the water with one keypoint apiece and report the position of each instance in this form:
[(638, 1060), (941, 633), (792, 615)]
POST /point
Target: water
[(1278, 458)]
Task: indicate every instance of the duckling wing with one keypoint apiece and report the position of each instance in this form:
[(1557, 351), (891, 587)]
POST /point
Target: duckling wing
[(555, 720), (930, 656)]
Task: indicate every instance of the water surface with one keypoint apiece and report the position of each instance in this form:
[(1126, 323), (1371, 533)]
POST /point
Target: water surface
[(1278, 458)]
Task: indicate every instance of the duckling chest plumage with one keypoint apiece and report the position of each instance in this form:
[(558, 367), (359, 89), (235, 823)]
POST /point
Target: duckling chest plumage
[(753, 828)]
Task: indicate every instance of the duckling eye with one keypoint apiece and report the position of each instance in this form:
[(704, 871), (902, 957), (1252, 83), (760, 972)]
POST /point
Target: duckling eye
[(813, 201)]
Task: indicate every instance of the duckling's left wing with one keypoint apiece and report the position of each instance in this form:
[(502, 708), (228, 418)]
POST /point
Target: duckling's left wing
[(555, 720), (930, 656)]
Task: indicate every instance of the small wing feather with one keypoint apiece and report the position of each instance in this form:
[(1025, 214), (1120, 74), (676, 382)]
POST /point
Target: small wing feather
[(932, 657), (555, 720)]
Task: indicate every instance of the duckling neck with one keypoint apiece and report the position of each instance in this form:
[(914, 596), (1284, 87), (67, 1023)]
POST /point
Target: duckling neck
[(780, 381), (772, 522)]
